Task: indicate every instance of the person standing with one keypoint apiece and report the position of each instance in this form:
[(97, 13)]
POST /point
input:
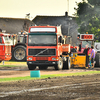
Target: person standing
[(80, 45), (92, 57), (86, 52)]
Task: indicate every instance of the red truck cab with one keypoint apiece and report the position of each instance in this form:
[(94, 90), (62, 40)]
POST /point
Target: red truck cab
[(44, 47), (5, 47)]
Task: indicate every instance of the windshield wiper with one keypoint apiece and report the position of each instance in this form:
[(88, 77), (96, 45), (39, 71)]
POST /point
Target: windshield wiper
[(41, 52)]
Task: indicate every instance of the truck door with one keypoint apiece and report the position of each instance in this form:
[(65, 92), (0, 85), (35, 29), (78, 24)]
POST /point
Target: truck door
[(7, 48), (2, 51), (59, 45)]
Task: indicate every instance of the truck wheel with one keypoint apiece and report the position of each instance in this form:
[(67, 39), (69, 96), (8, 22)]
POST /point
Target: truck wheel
[(43, 67), (59, 66), (19, 53), (67, 63), (97, 59), (31, 67)]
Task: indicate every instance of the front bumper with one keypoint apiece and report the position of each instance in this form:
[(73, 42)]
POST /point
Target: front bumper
[(51, 63)]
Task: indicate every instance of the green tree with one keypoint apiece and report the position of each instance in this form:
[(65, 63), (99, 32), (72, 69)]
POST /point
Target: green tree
[(94, 2), (88, 17)]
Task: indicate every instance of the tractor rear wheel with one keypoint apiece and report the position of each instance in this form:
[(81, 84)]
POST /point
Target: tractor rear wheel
[(19, 53)]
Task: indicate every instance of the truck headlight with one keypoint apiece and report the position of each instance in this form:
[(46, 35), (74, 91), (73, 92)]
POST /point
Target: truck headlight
[(30, 58), (53, 58)]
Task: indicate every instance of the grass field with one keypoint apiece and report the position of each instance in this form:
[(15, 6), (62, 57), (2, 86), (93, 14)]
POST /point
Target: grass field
[(10, 66), (48, 76), (13, 63)]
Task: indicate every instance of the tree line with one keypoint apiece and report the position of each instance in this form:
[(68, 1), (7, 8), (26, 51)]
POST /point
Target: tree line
[(88, 17)]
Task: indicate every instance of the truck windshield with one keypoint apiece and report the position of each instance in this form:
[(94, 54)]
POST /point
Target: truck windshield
[(42, 40), (22, 38), (6, 40), (84, 43)]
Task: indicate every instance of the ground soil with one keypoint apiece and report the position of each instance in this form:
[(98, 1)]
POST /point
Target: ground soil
[(85, 87), (61, 88)]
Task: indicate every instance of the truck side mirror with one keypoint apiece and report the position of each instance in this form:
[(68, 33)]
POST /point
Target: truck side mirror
[(60, 39), (0, 40), (24, 39), (63, 41)]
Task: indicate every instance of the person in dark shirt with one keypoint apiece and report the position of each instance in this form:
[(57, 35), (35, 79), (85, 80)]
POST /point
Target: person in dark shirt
[(73, 50), (92, 56), (86, 50), (80, 47)]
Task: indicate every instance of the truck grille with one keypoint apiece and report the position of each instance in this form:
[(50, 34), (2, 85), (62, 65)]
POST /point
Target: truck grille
[(42, 58), (42, 52)]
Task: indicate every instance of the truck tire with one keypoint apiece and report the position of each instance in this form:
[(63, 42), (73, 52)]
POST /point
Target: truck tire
[(59, 66), (67, 63), (31, 67), (97, 59), (43, 67), (19, 53)]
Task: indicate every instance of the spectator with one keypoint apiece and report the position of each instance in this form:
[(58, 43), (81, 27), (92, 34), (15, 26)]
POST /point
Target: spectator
[(92, 57), (86, 52), (80, 46)]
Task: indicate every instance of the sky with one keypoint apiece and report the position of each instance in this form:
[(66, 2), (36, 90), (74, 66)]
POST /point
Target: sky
[(19, 8)]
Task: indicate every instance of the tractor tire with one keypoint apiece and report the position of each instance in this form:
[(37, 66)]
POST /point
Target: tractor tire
[(67, 64), (59, 66), (19, 53), (43, 67), (97, 59), (31, 67)]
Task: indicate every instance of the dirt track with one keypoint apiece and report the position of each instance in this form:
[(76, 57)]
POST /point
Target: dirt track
[(86, 87), (65, 88)]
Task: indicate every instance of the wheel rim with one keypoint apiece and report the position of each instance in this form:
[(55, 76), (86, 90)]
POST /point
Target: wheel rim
[(60, 64), (69, 64), (19, 54)]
